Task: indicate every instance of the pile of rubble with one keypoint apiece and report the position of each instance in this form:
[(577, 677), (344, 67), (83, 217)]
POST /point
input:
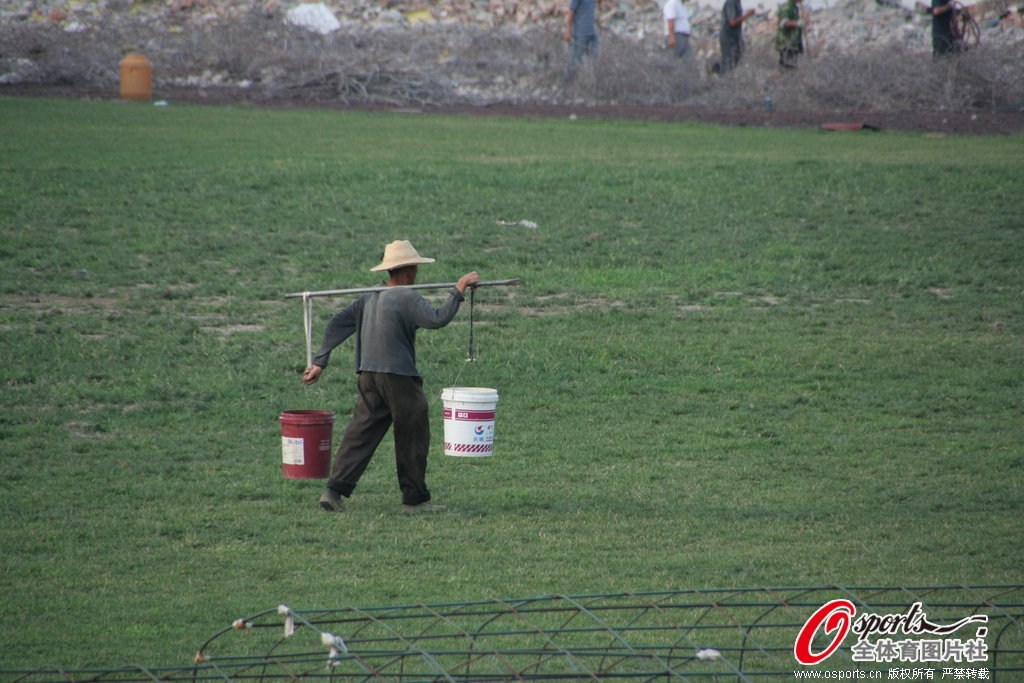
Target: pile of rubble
[(31, 33), (637, 17), (861, 19)]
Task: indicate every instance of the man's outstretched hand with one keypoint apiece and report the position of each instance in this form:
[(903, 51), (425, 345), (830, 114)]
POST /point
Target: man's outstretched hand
[(467, 281)]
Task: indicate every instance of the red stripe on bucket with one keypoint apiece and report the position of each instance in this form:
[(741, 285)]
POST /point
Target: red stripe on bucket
[(468, 415)]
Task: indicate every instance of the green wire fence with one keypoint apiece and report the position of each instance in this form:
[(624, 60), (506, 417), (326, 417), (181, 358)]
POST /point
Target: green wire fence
[(693, 635)]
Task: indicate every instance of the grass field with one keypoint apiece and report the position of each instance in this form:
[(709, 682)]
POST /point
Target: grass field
[(741, 357)]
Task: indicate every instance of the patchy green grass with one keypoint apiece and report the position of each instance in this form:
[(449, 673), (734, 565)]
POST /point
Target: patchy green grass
[(739, 358)]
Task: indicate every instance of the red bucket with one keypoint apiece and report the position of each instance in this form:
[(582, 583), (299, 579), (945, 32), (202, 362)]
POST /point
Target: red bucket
[(306, 443)]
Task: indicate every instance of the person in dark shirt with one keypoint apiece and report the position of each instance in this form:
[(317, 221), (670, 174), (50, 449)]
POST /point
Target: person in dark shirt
[(730, 37), (943, 40), (390, 386)]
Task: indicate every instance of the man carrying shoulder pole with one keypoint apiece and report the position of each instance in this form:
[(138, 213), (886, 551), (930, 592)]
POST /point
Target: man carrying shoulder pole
[(384, 324)]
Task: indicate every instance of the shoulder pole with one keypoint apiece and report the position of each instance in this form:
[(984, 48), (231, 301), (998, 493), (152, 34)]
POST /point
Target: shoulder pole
[(366, 290)]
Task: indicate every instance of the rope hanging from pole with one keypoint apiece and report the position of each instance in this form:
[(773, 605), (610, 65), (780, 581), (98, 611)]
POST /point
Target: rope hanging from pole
[(307, 314), (471, 357)]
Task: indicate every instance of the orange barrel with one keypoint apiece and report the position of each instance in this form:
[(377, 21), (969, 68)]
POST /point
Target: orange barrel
[(136, 77), (306, 443)]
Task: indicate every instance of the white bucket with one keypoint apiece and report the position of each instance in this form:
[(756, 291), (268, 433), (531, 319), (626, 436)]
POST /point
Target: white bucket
[(469, 421)]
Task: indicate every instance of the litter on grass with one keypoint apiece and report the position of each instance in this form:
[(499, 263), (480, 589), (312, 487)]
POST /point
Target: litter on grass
[(529, 225)]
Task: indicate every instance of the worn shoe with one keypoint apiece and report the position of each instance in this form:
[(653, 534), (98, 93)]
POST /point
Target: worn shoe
[(331, 501), (423, 507)]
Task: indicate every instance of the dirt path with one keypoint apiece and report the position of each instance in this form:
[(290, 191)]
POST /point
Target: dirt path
[(937, 123)]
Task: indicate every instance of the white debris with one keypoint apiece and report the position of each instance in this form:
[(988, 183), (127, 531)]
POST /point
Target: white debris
[(289, 620), (314, 17), (336, 644), (529, 225)]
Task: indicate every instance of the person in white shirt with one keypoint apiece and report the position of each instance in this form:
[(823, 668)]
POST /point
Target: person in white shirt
[(677, 27)]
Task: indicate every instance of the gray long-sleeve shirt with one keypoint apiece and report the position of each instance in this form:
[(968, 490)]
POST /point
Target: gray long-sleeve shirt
[(385, 325)]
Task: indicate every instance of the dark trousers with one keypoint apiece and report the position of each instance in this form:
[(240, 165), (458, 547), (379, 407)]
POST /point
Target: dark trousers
[(386, 400), (787, 57), (731, 53), (944, 45)]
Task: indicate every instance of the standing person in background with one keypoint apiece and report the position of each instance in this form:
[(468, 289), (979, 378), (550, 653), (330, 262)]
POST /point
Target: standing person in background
[(789, 37), (390, 387), (730, 38), (581, 31), (943, 40), (677, 27)]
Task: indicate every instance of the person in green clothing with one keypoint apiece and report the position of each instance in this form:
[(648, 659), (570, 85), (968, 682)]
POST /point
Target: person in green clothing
[(789, 38)]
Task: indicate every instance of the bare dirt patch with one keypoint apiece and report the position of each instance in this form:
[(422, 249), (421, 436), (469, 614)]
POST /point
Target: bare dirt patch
[(53, 304), (868, 122)]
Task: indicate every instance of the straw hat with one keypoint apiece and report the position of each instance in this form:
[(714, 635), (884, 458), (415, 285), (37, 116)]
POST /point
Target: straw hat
[(399, 254)]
